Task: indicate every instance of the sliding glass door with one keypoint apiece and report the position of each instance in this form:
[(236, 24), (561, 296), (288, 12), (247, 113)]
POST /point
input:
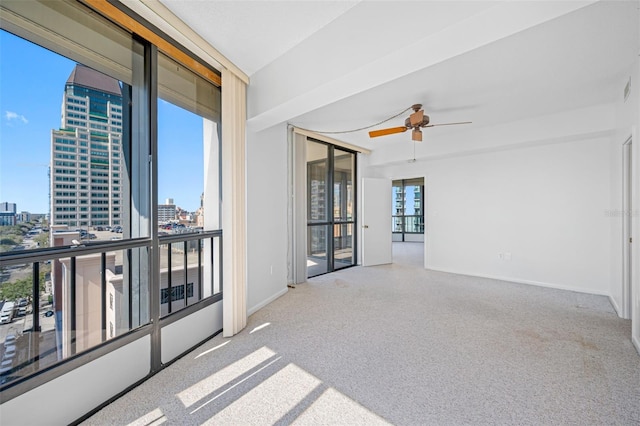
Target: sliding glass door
[(331, 195)]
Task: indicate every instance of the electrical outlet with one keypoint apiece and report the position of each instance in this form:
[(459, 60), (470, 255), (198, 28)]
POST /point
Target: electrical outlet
[(507, 256), (501, 256)]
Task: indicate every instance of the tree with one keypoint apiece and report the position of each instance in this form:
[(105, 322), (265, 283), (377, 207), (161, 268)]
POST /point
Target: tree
[(10, 236), (22, 287), (16, 289), (42, 239)]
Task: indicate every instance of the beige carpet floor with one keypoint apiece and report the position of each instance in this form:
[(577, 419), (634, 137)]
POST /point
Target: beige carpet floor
[(402, 345)]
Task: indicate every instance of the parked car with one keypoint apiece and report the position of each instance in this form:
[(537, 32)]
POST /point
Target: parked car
[(6, 314), (9, 352), (48, 314), (9, 340), (22, 302)]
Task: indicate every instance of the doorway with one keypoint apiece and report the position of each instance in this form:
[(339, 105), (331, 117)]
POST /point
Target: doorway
[(331, 207), (408, 210), (627, 209)]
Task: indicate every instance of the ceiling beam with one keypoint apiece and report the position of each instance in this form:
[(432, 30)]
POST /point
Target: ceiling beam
[(299, 89)]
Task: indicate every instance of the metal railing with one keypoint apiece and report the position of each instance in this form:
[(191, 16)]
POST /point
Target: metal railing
[(195, 242), (101, 292)]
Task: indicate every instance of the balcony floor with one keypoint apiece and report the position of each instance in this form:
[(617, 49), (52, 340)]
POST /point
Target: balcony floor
[(403, 345)]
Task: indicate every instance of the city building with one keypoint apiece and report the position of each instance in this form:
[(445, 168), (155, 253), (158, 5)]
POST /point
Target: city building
[(539, 192), (23, 217), (7, 214), (86, 152), (199, 214), (87, 331), (8, 207), (167, 211), (7, 219)]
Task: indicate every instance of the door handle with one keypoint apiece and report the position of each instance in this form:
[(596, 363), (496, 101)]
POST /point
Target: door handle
[(365, 226)]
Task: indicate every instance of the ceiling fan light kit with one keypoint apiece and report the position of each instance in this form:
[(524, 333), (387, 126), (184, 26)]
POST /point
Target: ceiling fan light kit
[(415, 121)]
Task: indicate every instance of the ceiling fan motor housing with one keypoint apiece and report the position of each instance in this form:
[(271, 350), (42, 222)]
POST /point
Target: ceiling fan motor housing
[(408, 124)]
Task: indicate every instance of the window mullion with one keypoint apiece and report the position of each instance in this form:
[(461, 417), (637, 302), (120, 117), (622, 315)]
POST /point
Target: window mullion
[(151, 79)]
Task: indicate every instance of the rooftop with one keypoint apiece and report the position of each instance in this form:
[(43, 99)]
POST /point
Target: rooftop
[(90, 78)]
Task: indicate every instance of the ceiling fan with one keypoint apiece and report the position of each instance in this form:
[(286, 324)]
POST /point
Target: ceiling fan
[(416, 122)]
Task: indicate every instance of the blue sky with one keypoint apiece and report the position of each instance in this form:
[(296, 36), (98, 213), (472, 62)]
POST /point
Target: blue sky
[(31, 87)]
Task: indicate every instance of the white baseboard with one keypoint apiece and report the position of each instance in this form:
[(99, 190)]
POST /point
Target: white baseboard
[(522, 281), (615, 306), (265, 302), (636, 343)]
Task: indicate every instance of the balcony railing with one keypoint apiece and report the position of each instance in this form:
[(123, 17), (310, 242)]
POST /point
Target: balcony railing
[(90, 296)]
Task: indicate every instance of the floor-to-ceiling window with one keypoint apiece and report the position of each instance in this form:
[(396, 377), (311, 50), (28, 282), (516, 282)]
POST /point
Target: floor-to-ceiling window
[(408, 209), (79, 267), (97, 124), (331, 193)]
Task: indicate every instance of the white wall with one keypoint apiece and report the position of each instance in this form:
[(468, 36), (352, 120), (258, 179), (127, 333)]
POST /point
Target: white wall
[(266, 216), (545, 205), (187, 332), (72, 395)]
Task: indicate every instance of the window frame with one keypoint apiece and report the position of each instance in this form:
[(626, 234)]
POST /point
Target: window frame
[(154, 38)]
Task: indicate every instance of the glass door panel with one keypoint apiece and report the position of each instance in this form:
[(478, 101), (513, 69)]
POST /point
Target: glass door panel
[(397, 224), (343, 254), (317, 182), (414, 224), (317, 259), (343, 177)]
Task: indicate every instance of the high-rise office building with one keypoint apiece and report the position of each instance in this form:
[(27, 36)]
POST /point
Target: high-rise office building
[(7, 214), (86, 152), (8, 207)]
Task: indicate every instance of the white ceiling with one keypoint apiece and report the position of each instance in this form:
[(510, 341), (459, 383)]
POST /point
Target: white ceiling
[(342, 65), (253, 33)]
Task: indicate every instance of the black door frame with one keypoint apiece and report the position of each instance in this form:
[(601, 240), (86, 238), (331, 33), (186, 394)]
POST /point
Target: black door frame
[(330, 221)]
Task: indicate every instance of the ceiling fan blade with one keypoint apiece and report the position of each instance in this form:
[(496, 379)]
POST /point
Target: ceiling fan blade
[(384, 132), (447, 124)]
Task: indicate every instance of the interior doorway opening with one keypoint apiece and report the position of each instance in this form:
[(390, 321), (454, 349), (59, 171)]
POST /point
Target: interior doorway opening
[(407, 210), (627, 208)]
